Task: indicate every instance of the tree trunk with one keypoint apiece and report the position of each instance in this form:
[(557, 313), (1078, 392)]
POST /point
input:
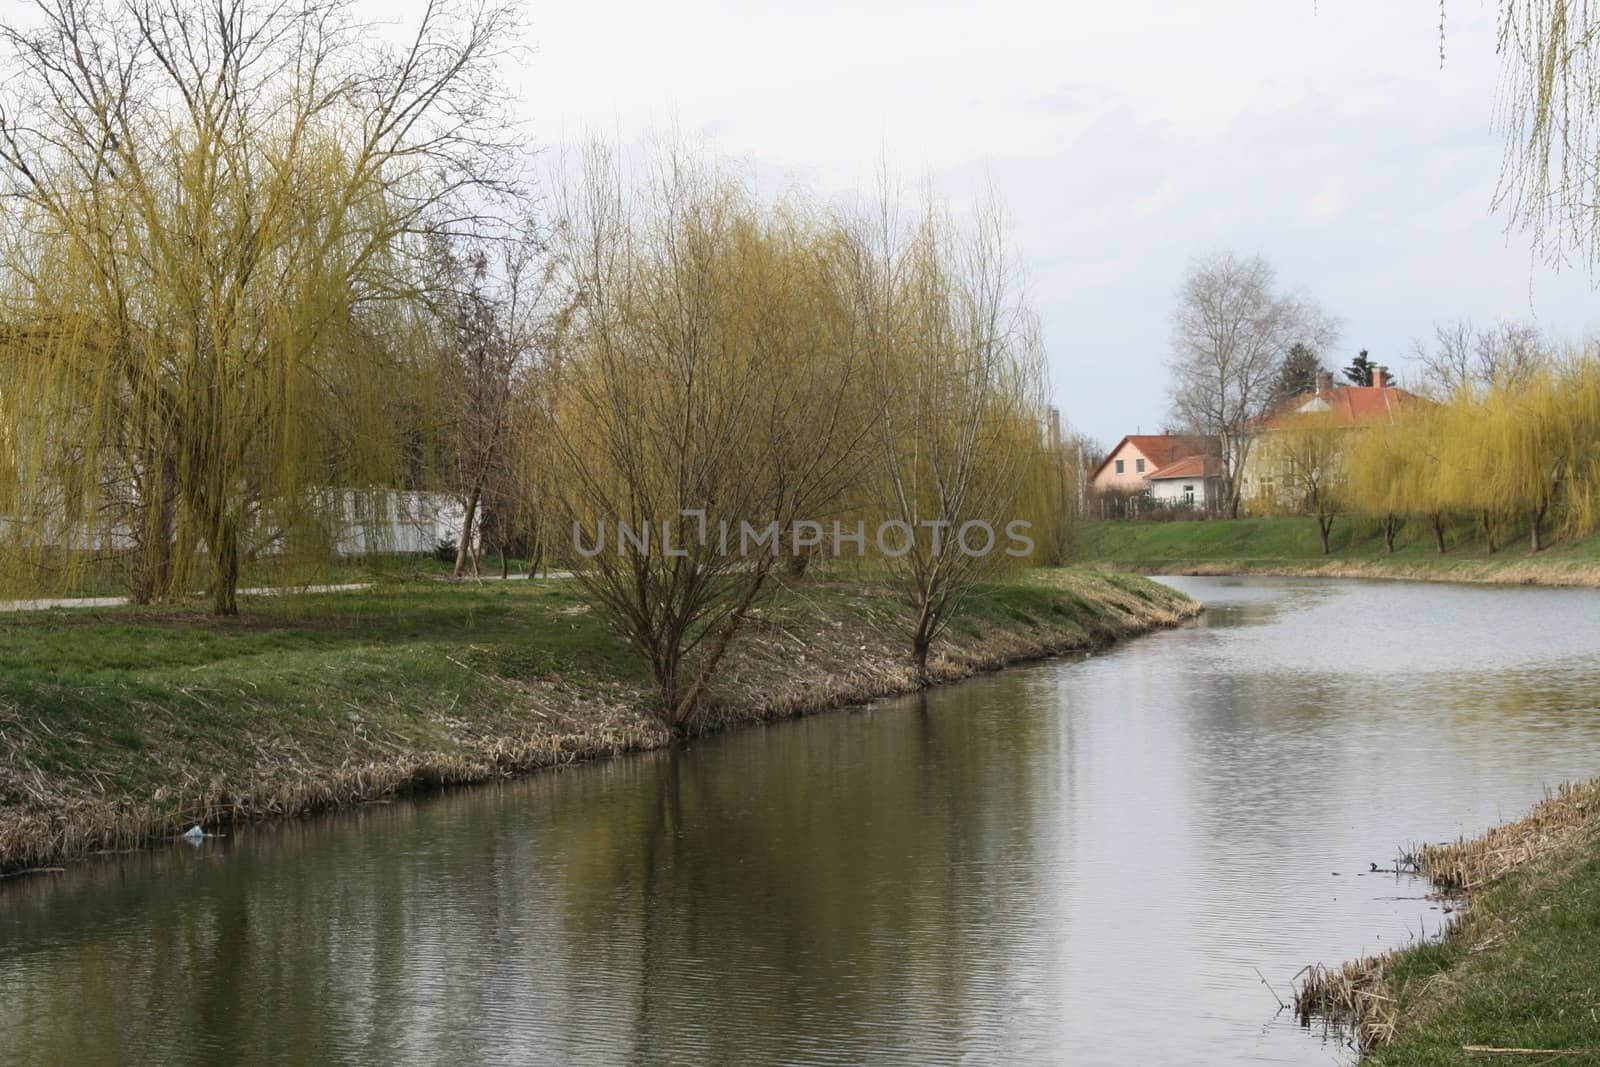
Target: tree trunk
[(688, 708), (1438, 531), (464, 546), (1324, 527), (922, 638), (1488, 529), (152, 578), (1536, 528), (1391, 525), (225, 566)]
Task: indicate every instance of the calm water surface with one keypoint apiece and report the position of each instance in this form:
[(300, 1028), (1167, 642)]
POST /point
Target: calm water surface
[(1085, 861)]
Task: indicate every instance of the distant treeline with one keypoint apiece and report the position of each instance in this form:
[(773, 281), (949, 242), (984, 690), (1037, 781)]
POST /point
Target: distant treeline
[(1518, 452)]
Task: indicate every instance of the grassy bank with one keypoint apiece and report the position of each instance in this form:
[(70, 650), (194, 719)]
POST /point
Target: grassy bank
[(122, 726), (1516, 978), (1290, 546)]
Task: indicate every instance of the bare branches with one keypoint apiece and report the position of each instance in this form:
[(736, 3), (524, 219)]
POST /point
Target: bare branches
[(1467, 359), (1231, 330)]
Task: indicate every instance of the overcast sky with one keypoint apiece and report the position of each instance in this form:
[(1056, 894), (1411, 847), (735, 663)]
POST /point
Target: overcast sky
[(1124, 137)]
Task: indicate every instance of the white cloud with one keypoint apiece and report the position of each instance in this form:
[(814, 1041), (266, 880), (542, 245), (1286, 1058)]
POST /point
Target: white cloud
[(1327, 202)]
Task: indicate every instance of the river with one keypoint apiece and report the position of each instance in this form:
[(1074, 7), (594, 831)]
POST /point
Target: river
[(1089, 860)]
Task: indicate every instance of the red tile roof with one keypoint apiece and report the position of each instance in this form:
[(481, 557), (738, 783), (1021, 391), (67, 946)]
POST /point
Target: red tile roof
[(1160, 449), (1191, 467)]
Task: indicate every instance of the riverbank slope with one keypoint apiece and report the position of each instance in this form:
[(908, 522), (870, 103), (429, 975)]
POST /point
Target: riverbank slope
[(123, 726), (1517, 975), (1290, 547)]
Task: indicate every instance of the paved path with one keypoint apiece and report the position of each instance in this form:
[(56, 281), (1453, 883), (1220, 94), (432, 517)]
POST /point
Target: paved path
[(122, 601)]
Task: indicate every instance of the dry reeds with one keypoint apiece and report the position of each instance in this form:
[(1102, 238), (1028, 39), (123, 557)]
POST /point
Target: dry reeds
[(1360, 994), (1469, 863), (1354, 995)]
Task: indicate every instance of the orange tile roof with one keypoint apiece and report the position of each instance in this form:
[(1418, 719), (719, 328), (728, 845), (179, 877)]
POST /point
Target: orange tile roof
[(1351, 404), (1159, 448), (1190, 467)]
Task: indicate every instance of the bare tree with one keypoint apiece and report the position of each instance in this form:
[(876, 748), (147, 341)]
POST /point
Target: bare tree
[(1230, 332), (1464, 358), (494, 346)]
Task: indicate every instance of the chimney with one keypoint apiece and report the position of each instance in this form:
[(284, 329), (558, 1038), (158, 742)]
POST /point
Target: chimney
[(1380, 377), (1324, 382), (1055, 429)]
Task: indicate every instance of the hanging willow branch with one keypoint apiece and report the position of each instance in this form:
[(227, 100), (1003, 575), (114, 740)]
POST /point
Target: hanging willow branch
[(1546, 111)]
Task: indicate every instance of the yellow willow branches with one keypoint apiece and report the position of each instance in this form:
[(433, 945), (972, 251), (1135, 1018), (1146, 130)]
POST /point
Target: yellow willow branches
[(736, 377), (1522, 454), (220, 216)]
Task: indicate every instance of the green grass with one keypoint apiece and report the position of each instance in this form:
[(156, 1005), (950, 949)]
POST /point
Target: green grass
[(1523, 972), (128, 709), (1266, 544), (92, 688)]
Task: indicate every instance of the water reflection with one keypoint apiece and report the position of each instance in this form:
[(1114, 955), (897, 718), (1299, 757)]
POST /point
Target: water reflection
[(1083, 861)]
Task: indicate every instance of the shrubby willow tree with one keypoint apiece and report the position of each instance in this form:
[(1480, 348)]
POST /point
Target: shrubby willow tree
[(1383, 463), (705, 402), (214, 204), (957, 376), (1230, 331)]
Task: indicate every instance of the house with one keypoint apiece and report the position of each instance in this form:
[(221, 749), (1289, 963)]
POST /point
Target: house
[(1346, 406), (1127, 468), (1191, 482)]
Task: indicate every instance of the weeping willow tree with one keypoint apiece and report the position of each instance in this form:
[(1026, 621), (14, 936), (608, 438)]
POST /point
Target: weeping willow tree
[(218, 209), (703, 403), (1382, 471), (957, 384), (1050, 495), (1538, 439)]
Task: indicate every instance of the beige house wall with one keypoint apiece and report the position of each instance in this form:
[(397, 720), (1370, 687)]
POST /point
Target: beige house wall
[(1132, 479)]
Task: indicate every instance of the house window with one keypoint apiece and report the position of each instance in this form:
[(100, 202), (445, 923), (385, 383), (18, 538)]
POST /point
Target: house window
[(1188, 495), (1119, 466), (1138, 465)]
